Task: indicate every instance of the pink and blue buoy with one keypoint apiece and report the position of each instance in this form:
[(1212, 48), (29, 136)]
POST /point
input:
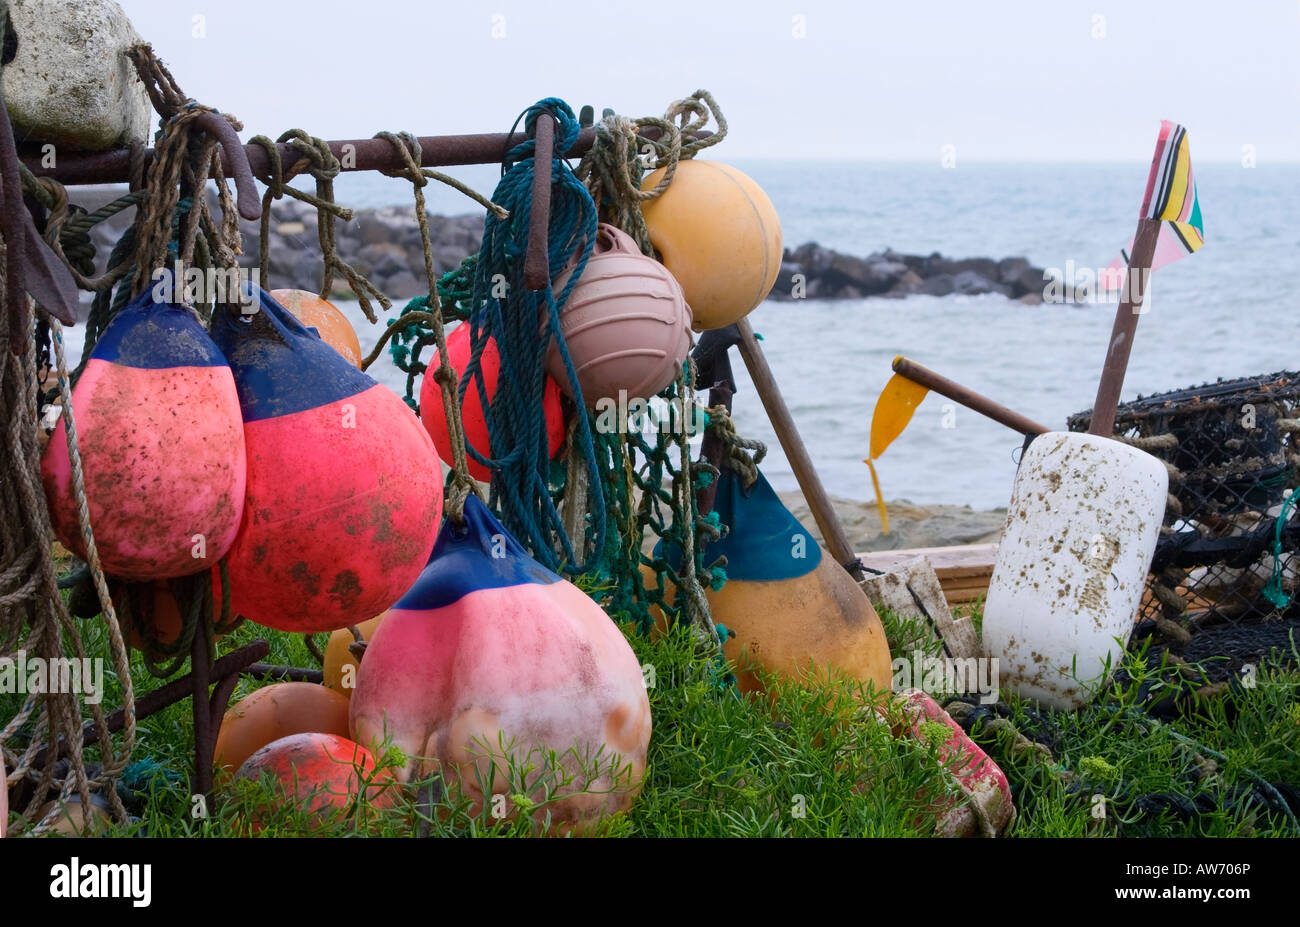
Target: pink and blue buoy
[(489, 662), (344, 487), (162, 447)]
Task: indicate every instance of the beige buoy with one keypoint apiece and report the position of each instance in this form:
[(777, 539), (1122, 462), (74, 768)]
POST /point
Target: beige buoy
[(719, 234), (626, 324)]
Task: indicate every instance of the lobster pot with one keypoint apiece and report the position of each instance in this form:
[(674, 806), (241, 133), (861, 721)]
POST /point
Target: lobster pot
[(1081, 529), (1233, 450)]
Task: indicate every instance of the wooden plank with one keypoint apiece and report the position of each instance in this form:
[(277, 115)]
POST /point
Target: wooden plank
[(912, 590), (963, 571)]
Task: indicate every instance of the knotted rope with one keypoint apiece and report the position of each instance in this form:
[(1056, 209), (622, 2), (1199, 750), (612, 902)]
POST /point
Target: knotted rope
[(33, 616), (612, 170), (184, 161), (315, 158), (461, 484), (506, 312)]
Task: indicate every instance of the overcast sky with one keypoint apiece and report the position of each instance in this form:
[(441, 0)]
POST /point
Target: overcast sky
[(998, 79)]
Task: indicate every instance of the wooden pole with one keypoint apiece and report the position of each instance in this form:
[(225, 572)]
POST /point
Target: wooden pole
[(1121, 335), (779, 414), (969, 398)]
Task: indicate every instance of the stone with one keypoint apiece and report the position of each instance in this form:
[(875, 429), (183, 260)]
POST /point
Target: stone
[(874, 274), (908, 284), (938, 285), (382, 260), (985, 267), (71, 84), (973, 283), (402, 285), (1031, 280), (1010, 269)]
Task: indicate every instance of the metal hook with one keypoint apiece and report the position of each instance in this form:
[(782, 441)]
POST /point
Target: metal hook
[(247, 199)]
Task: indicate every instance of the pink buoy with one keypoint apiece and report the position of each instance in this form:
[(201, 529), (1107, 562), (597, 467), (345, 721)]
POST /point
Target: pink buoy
[(162, 447), (988, 810), (491, 659), (344, 488)]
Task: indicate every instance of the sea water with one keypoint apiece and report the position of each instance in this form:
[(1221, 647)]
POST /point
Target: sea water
[(1229, 310)]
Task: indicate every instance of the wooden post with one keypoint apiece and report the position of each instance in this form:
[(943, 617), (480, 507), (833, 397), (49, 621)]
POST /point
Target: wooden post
[(1121, 335), (804, 471), (967, 397)]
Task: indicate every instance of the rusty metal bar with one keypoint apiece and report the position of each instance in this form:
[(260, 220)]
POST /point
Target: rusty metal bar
[(164, 696), (290, 673), (537, 261), (73, 168), (967, 397)]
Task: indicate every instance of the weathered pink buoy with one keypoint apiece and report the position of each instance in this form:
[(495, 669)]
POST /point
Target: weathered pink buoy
[(989, 809), (162, 447), (492, 658), (626, 323), (344, 488)]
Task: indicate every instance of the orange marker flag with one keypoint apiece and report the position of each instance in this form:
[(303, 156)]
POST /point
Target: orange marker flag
[(894, 409)]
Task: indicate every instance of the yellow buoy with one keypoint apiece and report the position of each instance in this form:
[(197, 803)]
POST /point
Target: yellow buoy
[(789, 608), (719, 234)]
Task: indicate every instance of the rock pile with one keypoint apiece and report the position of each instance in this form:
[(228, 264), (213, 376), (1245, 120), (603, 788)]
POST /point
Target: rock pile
[(384, 244)]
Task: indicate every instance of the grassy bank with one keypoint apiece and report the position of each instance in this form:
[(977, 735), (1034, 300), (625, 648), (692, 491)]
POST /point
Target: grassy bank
[(809, 761)]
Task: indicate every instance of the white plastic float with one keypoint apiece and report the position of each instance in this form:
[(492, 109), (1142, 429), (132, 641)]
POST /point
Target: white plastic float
[(1081, 530)]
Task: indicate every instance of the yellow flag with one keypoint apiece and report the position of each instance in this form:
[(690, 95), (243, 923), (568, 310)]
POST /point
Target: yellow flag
[(894, 409)]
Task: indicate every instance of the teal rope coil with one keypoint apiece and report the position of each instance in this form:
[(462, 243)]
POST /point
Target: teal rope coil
[(524, 324)]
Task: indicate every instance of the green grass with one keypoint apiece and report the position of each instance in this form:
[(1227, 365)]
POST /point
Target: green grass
[(809, 760)]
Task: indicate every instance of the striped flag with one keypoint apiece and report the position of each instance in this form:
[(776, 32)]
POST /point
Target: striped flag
[(1171, 198)]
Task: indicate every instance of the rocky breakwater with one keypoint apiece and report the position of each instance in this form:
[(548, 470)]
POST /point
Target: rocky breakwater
[(384, 245), (814, 272)]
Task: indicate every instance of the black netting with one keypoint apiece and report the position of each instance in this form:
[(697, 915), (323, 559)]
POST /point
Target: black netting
[(1234, 456)]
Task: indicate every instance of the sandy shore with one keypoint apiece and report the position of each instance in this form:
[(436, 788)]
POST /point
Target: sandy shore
[(910, 525)]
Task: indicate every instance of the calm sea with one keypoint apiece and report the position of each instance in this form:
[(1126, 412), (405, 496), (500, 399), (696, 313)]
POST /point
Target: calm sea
[(1230, 310)]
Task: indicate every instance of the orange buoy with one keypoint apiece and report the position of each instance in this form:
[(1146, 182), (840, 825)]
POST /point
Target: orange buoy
[(328, 320), (626, 324), (325, 773), (719, 234), (158, 619), (276, 711), (790, 609), (340, 664)]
